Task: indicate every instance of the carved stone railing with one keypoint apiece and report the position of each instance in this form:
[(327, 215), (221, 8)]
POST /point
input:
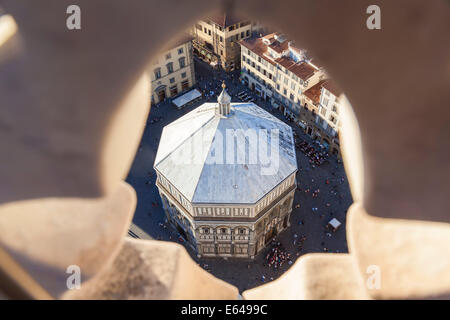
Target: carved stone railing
[(73, 110)]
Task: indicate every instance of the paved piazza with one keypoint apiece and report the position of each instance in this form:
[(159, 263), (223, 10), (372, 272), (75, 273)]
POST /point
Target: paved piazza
[(310, 213)]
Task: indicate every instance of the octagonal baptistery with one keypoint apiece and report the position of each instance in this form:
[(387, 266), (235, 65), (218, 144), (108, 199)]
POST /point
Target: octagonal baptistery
[(226, 177)]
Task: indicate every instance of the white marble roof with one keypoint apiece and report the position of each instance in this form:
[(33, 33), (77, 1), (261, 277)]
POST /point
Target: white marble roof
[(187, 158)]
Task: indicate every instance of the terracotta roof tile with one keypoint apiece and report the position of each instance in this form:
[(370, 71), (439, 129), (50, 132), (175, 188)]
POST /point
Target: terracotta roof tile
[(278, 46), (332, 87), (302, 70), (258, 47), (314, 92)]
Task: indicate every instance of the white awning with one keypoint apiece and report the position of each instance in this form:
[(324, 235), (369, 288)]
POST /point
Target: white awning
[(213, 63), (186, 98), (334, 223)]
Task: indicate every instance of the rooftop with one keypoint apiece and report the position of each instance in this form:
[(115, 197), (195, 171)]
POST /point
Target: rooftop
[(314, 92), (189, 154), (302, 69), (257, 46), (332, 87), (225, 19)]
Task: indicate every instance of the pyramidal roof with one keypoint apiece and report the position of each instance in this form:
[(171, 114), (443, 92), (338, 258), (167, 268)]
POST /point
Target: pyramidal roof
[(193, 153), (224, 97)]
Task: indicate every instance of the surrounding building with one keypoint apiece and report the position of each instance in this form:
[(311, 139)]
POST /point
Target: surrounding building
[(173, 71), (216, 39), (217, 195), (282, 73), (323, 100)]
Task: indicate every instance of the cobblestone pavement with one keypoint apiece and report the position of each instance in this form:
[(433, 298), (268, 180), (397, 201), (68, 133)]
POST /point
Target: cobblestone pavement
[(333, 199)]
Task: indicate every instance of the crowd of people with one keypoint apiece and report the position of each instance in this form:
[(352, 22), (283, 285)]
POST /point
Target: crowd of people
[(155, 119), (277, 256), (316, 157)]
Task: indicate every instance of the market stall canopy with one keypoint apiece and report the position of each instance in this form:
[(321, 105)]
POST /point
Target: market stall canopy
[(187, 97), (334, 223)]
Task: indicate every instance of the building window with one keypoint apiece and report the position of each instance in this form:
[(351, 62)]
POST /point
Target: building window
[(173, 91), (205, 30), (168, 56), (220, 38), (241, 231), (208, 248), (241, 249), (224, 249), (180, 51), (206, 230), (242, 34), (157, 73), (333, 119), (182, 62), (325, 102), (223, 230), (183, 75), (185, 85), (334, 109), (169, 67), (247, 33), (231, 28), (172, 80)]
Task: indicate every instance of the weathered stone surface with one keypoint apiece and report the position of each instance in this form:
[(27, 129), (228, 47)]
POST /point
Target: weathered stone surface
[(73, 108), (70, 124), (154, 270), (413, 256), (315, 276), (46, 236)]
